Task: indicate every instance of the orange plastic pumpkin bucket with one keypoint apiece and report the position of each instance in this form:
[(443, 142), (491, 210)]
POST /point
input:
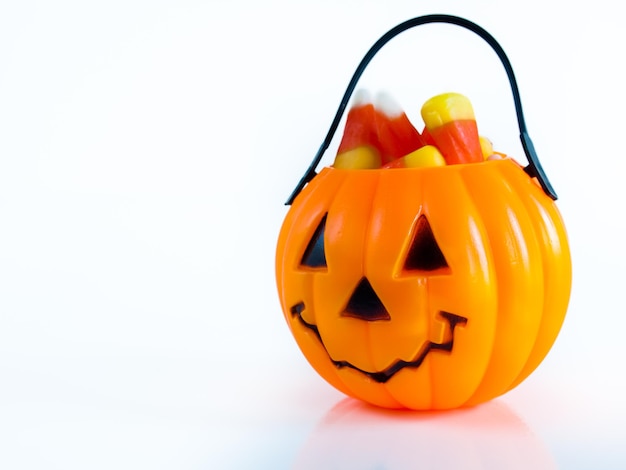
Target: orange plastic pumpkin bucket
[(425, 288)]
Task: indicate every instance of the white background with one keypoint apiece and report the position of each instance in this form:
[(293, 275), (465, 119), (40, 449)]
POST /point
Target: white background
[(146, 150)]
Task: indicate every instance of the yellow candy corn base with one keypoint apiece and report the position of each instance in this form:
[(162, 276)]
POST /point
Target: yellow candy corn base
[(424, 157), (360, 158)]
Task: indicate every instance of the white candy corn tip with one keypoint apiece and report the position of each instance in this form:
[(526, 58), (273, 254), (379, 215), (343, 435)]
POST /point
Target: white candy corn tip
[(361, 98), (387, 105)]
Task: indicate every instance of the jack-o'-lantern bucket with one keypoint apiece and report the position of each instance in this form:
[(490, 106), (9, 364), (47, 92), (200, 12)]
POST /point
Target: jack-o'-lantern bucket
[(425, 287)]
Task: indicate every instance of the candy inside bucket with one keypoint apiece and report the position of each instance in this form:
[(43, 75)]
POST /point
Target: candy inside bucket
[(378, 134)]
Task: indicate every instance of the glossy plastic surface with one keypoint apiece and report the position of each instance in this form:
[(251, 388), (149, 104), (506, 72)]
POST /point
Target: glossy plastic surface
[(456, 331)]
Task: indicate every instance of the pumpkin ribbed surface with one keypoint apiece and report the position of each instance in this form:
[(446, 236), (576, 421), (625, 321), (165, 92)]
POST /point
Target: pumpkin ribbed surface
[(427, 288)]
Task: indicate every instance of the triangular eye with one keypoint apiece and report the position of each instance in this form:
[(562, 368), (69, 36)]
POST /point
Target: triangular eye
[(424, 253), (315, 255)]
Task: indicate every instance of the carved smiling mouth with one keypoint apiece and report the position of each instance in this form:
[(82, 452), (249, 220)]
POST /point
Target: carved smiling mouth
[(384, 375)]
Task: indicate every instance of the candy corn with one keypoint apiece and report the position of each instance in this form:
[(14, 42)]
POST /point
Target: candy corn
[(486, 147), (425, 156), (375, 132), (450, 121), (488, 152), (360, 127), (428, 139), (396, 135)]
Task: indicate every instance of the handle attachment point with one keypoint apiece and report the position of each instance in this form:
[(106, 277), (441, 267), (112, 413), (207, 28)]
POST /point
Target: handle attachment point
[(534, 168)]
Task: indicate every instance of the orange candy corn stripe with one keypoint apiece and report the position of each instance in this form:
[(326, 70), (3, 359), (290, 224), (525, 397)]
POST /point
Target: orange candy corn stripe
[(360, 127), (396, 135)]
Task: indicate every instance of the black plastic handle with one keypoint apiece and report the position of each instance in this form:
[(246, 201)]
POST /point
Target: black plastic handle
[(533, 169)]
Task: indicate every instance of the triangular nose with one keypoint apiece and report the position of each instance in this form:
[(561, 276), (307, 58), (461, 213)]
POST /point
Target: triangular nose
[(365, 304)]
